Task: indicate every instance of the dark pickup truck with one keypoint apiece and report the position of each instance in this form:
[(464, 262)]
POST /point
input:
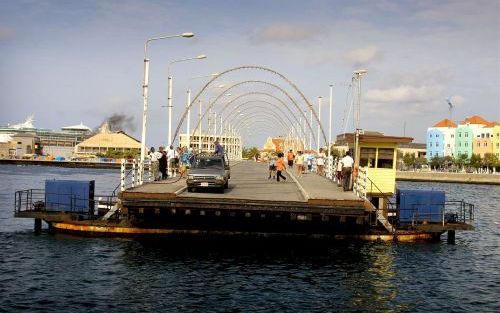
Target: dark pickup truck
[(209, 171)]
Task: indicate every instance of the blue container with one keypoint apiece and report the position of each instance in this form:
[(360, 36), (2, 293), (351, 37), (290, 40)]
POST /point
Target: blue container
[(420, 205), (69, 195)]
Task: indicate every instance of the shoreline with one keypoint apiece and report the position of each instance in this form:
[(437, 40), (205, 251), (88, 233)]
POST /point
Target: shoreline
[(441, 177), (444, 177)]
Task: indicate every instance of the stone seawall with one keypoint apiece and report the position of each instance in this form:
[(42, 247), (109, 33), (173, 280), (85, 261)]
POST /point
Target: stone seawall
[(466, 178)]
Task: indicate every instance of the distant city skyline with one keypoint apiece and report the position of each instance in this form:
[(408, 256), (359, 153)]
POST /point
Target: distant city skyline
[(68, 63)]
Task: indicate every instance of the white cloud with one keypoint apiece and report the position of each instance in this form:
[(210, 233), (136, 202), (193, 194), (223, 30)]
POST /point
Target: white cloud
[(404, 93), (284, 32), (363, 55)]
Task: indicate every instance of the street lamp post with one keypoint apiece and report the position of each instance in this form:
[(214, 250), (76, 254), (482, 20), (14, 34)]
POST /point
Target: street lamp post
[(145, 89), (200, 142), (310, 131), (330, 123), (358, 75), (319, 120), (169, 100)]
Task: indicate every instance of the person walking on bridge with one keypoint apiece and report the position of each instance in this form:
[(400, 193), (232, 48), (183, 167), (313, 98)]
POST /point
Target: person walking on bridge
[(280, 166), (347, 163)]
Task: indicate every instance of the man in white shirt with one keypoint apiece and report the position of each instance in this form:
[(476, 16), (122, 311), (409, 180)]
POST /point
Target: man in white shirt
[(171, 155), (347, 164)]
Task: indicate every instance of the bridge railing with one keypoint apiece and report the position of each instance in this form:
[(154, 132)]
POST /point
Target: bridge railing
[(360, 186), (134, 173)]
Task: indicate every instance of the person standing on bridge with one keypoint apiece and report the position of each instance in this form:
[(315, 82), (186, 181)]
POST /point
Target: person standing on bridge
[(162, 159), (320, 162), (300, 163), (290, 157), (280, 166), (347, 163), (219, 149)]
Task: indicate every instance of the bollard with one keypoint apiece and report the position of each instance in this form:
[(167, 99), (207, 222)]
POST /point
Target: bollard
[(451, 237), (38, 225)]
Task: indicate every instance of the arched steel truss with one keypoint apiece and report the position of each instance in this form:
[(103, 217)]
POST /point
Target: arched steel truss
[(247, 67)]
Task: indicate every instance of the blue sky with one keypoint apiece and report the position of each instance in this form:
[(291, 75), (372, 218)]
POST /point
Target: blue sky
[(68, 62)]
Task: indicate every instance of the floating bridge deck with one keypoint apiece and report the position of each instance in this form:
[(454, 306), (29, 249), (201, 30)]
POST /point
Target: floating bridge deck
[(307, 206), (250, 189)]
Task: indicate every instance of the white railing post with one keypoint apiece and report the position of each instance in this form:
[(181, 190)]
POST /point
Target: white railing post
[(140, 176), (134, 172), (122, 175)]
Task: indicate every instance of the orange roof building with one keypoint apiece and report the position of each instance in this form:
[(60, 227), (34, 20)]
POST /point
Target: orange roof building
[(476, 119), (445, 123)]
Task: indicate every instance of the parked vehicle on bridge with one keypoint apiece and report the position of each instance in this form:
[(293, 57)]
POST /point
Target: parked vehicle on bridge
[(209, 171)]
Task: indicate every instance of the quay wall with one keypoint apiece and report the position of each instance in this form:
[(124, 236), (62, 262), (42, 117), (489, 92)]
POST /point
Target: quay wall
[(466, 178), (72, 164)]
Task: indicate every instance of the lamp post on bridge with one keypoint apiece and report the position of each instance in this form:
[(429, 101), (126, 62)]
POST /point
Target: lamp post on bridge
[(330, 123), (169, 100), (358, 75), (145, 89), (319, 122)]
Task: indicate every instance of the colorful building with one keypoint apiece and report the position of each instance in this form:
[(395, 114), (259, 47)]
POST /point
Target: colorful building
[(474, 135), (435, 143), (495, 140), (463, 141)]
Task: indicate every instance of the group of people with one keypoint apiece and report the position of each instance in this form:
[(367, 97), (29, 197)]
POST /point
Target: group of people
[(303, 162), (176, 161), (171, 161)]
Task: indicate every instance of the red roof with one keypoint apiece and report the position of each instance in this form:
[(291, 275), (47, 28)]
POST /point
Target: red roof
[(476, 119), (445, 123)]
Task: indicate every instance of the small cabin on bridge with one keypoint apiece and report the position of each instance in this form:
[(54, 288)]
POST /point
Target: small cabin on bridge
[(378, 153)]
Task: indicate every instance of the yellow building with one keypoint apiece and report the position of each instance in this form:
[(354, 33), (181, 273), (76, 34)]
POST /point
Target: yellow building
[(106, 140), (495, 140), (378, 153)]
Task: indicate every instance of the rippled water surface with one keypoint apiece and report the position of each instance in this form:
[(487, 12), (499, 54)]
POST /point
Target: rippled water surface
[(61, 273)]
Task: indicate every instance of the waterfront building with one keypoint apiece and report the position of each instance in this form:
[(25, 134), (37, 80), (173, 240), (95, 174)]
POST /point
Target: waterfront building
[(441, 139), (107, 140), (232, 144), (276, 144), (418, 150), (464, 141), (495, 140), (435, 143), (19, 145), (56, 143)]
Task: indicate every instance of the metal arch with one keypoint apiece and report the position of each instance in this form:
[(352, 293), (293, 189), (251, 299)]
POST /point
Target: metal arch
[(264, 94), (234, 86), (258, 68), (264, 117), (261, 115), (261, 123), (262, 68), (262, 107)]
